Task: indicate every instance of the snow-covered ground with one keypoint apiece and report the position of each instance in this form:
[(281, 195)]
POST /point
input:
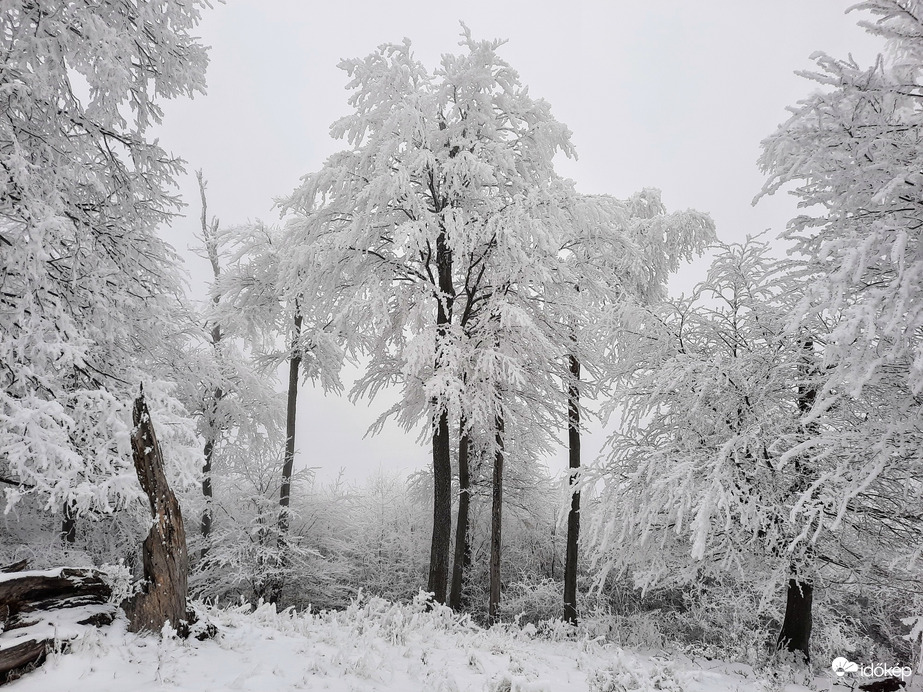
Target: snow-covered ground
[(374, 645)]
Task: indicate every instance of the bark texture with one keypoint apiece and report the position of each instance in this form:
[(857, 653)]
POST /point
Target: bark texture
[(496, 525), (573, 517), (441, 544), (291, 417), (69, 524), (166, 563), (462, 541), (277, 583), (796, 628)]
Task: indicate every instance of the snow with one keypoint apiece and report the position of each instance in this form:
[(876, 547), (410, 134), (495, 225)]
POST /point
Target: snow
[(9, 576), (372, 645), (62, 625)]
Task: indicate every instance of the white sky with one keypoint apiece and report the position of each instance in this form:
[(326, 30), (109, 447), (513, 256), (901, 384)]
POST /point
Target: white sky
[(671, 94)]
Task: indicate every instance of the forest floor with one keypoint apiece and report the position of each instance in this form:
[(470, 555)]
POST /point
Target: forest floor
[(375, 645)]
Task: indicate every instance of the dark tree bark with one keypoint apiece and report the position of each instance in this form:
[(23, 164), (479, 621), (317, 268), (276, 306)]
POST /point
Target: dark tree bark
[(795, 635), (796, 628), (42, 590), (462, 541), (573, 517), (18, 566), (496, 525), (207, 494), (441, 545), (209, 237), (69, 524), (274, 591), (166, 563), (291, 411), (16, 660)]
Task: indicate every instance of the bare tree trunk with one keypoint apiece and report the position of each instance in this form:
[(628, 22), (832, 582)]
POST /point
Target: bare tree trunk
[(69, 524), (796, 627), (554, 544), (573, 517), (496, 524), (163, 596), (294, 364), (207, 495), (210, 238), (462, 543), (288, 461), (795, 635), (442, 511), (441, 544)]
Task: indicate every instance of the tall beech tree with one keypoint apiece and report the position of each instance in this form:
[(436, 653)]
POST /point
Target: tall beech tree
[(434, 245), (851, 155), (254, 305), (448, 178), (623, 251), (215, 394), (234, 399)]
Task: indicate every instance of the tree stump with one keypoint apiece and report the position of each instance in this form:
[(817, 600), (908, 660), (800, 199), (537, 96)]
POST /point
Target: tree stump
[(163, 595)]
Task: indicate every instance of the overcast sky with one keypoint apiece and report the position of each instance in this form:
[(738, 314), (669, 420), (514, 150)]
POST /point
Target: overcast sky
[(673, 94)]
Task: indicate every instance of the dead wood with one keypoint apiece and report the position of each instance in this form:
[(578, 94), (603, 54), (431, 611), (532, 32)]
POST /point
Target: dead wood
[(163, 595)]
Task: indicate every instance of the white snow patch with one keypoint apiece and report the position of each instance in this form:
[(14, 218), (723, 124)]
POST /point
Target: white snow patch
[(372, 646)]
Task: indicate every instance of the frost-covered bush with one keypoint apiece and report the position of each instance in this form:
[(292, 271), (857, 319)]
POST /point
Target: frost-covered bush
[(384, 534), (29, 532), (737, 619), (246, 554), (532, 598), (343, 539), (625, 676)]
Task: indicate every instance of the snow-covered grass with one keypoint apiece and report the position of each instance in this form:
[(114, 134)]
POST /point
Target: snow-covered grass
[(374, 645)]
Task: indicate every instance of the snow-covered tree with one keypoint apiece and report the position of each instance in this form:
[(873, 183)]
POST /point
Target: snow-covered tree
[(623, 251), (251, 302), (435, 243), (851, 153), (88, 291), (238, 411), (448, 178), (701, 479)]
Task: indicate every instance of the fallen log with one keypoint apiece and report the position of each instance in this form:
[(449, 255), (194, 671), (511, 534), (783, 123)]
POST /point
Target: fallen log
[(16, 659), (16, 566), (40, 609), (41, 589)]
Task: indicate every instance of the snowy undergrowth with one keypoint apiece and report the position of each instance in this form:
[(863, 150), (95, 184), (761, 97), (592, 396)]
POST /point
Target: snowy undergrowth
[(372, 645)]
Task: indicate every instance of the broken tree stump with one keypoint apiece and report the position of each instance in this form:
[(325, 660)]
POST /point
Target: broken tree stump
[(41, 608), (162, 598)]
